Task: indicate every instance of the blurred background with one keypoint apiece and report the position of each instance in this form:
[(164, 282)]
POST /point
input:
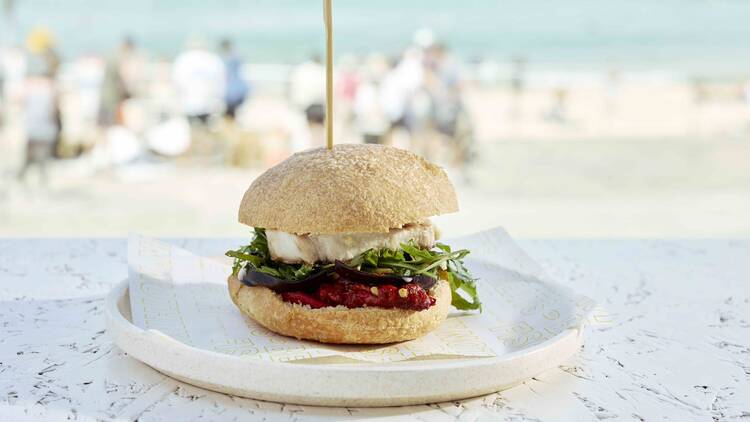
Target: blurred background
[(583, 118)]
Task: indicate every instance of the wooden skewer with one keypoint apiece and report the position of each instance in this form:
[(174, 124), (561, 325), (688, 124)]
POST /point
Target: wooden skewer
[(328, 16)]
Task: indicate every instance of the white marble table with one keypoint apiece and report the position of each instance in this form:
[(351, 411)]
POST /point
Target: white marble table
[(679, 347)]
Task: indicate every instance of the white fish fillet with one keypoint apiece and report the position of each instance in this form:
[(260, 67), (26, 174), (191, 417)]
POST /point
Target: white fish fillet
[(292, 248)]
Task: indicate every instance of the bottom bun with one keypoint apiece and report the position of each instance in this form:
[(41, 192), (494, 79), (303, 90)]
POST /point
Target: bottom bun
[(369, 325)]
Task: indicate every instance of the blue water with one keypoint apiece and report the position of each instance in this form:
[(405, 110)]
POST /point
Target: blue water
[(710, 34)]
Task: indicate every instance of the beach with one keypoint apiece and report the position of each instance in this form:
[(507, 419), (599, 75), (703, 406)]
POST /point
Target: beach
[(533, 189), (657, 164), (646, 161), (576, 126)]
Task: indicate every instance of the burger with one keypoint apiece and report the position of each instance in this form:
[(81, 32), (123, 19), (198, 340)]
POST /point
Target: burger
[(343, 250)]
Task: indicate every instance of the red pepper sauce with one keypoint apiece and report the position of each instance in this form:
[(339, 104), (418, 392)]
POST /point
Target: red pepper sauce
[(357, 295)]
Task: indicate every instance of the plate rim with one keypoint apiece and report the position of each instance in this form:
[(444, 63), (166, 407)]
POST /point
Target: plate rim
[(116, 318)]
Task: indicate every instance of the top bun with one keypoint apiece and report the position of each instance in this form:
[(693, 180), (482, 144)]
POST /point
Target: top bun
[(349, 189)]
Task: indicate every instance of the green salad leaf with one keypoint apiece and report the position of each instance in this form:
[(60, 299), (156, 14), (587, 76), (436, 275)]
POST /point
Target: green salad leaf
[(257, 256), (409, 260)]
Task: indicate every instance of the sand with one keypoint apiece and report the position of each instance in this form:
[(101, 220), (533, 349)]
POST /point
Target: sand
[(658, 164), (532, 189)]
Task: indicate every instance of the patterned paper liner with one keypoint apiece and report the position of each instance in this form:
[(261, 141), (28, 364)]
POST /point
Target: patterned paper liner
[(185, 297)]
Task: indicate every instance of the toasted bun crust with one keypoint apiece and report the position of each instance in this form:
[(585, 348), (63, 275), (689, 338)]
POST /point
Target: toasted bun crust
[(349, 189), (340, 324)]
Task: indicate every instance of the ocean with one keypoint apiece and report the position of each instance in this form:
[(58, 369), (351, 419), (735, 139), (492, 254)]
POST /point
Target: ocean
[(710, 36)]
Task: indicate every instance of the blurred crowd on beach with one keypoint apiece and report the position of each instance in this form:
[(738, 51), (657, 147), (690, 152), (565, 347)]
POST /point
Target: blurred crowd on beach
[(210, 105)]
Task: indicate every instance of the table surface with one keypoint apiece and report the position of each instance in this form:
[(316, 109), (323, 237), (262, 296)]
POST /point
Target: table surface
[(678, 347)]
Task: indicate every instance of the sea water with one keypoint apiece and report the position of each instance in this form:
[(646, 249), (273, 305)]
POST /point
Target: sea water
[(708, 35)]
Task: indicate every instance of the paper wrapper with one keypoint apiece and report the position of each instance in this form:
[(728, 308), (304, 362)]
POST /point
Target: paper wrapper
[(185, 297)]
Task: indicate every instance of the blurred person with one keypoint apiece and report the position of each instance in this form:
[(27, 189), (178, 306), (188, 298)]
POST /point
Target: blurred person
[(41, 47), (701, 91), (315, 114), (44, 62), (444, 89), (449, 114), (115, 88), (13, 63), (41, 120), (558, 111), (199, 78), (612, 91), (8, 31), (41, 109), (392, 99), (399, 85), (347, 79), (368, 116), (517, 86), (237, 88), (307, 95), (307, 83)]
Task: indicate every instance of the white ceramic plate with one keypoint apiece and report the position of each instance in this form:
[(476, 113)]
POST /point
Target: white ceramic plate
[(351, 384)]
